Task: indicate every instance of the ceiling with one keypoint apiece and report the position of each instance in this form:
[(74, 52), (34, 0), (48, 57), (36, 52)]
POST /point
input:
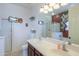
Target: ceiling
[(28, 4), (32, 5)]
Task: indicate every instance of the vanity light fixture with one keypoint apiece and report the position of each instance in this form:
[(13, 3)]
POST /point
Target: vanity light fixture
[(46, 7), (41, 9), (51, 4), (63, 4), (56, 6), (49, 7), (45, 11)]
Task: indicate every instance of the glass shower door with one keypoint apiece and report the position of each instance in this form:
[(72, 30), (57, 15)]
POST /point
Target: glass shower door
[(5, 30)]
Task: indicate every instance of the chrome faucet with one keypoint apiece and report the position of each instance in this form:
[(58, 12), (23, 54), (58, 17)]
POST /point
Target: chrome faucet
[(39, 38), (64, 43)]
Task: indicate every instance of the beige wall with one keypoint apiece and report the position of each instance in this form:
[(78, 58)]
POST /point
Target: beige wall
[(74, 24)]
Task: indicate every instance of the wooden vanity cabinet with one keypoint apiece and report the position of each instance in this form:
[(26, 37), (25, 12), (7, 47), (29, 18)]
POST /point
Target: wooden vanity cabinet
[(37, 53), (32, 51)]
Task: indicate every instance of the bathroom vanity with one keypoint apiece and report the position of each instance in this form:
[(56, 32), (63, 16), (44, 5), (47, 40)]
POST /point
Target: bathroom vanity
[(48, 48), (33, 51)]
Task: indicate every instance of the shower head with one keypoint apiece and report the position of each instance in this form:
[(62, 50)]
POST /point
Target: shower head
[(15, 19), (12, 19)]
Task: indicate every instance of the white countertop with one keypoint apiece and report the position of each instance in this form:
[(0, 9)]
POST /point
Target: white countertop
[(48, 48)]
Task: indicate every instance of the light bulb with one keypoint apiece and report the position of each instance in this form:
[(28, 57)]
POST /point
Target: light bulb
[(51, 4), (41, 9), (45, 11), (56, 6), (46, 7), (50, 9), (62, 4)]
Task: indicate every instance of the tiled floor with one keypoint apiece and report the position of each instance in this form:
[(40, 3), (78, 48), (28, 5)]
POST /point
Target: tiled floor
[(19, 53)]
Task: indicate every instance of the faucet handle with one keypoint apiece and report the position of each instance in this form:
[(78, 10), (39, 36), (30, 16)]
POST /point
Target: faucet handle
[(69, 42), (69, 37)]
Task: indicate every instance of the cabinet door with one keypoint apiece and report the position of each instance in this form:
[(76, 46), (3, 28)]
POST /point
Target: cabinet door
[(30, 50), (37, 53)]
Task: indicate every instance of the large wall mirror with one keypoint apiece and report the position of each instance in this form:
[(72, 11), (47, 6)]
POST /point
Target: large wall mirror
[(61, 20)]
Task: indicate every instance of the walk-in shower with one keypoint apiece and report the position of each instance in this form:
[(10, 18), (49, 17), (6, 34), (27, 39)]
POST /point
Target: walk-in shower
[(15, 20), (6, 29)]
